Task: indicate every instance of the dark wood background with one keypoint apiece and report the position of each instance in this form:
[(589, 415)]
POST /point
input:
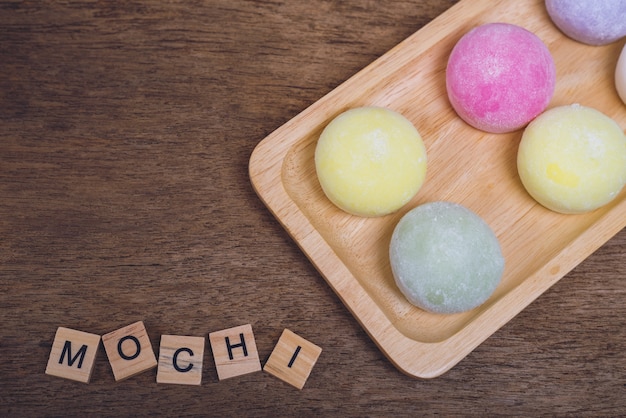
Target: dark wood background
[(126, 129)]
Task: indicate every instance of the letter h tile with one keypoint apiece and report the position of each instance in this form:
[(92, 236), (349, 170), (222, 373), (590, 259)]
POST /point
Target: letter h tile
[(234, 351)]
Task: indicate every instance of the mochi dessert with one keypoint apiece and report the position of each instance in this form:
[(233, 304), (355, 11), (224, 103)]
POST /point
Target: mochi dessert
[(572, 159), (499, 77), (593, 22), (445, 258), (370, 161), (620, 75)]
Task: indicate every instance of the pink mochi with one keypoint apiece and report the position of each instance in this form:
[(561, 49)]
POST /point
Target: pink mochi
[(499, 77)]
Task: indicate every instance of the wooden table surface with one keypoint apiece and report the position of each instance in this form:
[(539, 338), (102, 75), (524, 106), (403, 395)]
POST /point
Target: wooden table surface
[(125, 133)]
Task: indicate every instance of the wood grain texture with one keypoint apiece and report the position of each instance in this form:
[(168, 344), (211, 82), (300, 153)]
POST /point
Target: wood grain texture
[(234, 352), (125, 134), (73, 354), (129, 351), (292, 359), (180, 360), (465, 165)]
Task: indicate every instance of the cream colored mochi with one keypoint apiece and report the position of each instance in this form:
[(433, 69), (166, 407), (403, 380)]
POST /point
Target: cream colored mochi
[(572, 159), (620, 75), (370, 161)]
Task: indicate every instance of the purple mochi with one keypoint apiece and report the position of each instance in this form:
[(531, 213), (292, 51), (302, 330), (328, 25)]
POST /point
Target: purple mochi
[(593, 22)]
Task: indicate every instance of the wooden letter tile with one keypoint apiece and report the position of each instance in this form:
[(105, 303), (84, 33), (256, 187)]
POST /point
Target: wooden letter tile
[(129, 351), (292, 359), (234, 351), (180, 360), (73, 354)]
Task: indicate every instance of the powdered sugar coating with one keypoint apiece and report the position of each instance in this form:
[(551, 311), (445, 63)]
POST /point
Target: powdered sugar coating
[(593, 22), (620, 75), (445, 258), (370, 161), (499, 77), (572, 159)]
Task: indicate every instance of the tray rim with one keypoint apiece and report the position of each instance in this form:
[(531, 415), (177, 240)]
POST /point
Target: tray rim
[(414, 358)]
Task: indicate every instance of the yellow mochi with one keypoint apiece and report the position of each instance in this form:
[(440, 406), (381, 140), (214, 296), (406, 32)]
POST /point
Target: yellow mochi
[(572, 159), (370, 161)]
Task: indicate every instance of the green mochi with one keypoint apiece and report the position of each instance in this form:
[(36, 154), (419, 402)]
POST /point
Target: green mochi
[(445, 258)]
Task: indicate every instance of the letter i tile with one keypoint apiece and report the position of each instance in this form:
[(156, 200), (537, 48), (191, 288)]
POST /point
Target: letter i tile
[(129, 351), (234, 351), (292, 359), (73, 354)]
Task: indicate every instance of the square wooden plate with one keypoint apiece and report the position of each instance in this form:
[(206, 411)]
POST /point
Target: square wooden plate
[(467, 166)]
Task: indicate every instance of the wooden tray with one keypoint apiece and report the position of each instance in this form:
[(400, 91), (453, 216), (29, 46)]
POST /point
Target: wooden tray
[(466, 166)]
